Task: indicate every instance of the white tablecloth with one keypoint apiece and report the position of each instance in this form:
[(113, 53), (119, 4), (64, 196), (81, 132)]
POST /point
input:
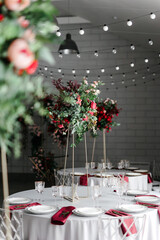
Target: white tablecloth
[(38, 227), (135, 182)]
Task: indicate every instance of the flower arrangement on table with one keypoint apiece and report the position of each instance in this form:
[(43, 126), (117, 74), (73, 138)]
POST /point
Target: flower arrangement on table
[(74, 109), (25, 26), (106, 110)]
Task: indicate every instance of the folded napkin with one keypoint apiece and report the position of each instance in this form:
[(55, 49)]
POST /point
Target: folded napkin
[(150, 180), (60, 217), (23, 206), (150, 205), (128, 227), (147, 196), (83, 179)]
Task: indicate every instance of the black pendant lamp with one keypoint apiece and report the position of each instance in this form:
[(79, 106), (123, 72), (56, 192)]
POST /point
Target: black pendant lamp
[(68, 46)]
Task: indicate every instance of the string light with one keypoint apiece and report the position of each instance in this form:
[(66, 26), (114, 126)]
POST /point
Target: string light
[(81, 31), (59, 70), (153, 74), (45, 68), (114, 51), (132, 64), (112, 83), (132, 47), (87, 71), (96, 53), (148, 69), (150, 42), (123, 74), (73, 71), (146, 60), (78, 55), (60, 55), (74, 76), (58, 33), (152, 16), (86, 77), (143, 77), (135, 72), (105, 28), (122, 81), (111, 76), (102, 70), (99, 77), (62, 75), (117, 68), (129, 23), (158, 54), (133, 80)]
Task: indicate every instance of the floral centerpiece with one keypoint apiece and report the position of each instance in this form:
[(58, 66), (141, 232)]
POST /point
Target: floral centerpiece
[(106, 110), (74, 109)]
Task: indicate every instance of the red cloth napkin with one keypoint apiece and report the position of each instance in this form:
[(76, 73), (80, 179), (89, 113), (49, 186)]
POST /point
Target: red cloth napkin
[(150, 205), (150, 180), (60, 217), (23, 206), (83, 179), (127, 225)]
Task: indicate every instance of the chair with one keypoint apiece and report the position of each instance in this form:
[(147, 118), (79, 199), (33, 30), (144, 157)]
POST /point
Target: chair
[(11, 225), (61, 179), (116, 228)]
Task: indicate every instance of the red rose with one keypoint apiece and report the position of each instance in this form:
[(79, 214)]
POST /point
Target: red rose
[(66, 120), (60, 126), (32, 68), (91, 112), (86, 118), (93, 105), (1, 17)]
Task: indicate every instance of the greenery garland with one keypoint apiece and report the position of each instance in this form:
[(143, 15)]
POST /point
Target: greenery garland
[(25, 27)]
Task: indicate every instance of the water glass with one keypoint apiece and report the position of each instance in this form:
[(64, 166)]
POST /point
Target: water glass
[(39, 187), (109, 165), (95, 193), (55, 193)]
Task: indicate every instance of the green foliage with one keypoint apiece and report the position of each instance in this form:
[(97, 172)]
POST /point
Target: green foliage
[(20, 93)]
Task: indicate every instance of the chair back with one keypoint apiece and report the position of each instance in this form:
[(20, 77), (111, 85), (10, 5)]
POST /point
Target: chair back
[(61, 179), (11, 225), (120, 228)]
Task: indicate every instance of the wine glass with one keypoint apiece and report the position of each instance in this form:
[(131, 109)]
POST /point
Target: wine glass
[(55, 193), (109, 165), (95, 193), (39, 187), (120, 189)]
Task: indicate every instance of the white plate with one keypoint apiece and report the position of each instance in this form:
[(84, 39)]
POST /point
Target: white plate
[(103, 175), (132, 168), (147, 199), (141, 171), (132, 208), (41, 209), (78, 174), (133, 174), (18, 200), (136, 192), (88, 211)]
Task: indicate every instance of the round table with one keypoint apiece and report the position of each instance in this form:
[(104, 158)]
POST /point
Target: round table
[(39, 227), (139, 182)]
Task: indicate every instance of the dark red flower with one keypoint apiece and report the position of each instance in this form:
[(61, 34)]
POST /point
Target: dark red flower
[(1, 17)]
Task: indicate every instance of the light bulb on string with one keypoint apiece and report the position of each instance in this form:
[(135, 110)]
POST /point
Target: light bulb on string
[(96, 53), (112, 83), (150, 42), (86, 77), (123, 74), (152, 16), (105, 28), (99, 77), (122, 81), (59, 70), (154, 74), (132, 47), (45, 68), (58, 33), (87, 71), (74, 76), (78, 55), (146, 60), (148, 69), (129, 23), (102, 70), (114, 51), (73, 71), (81, 31), (117, 68), (131, 64), (143, 77), (135, 72), (60, 55), (158, 54), (62, 75), (51, 72), (133, 80), (111, 76)]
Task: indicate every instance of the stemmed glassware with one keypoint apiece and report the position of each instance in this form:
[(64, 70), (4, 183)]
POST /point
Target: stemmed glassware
[(109, 165), (93, 165), (39, 187), (54, 193), (95, 193), (120, 188)]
